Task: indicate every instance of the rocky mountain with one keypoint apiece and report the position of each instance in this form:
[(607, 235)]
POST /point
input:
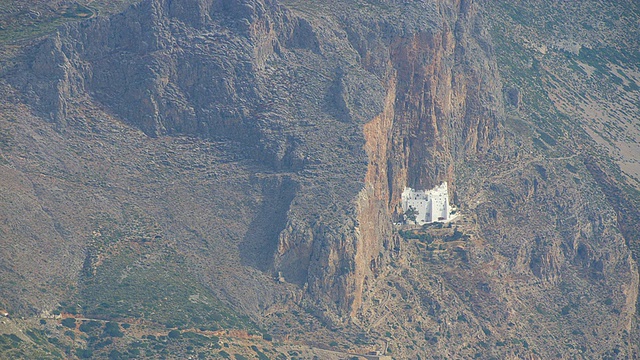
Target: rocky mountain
[(238, 165)]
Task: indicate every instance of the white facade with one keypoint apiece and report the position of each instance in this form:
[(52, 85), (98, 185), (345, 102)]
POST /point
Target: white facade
[(430, 205)]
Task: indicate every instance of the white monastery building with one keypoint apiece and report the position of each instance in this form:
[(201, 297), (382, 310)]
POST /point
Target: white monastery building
[(430, 205)]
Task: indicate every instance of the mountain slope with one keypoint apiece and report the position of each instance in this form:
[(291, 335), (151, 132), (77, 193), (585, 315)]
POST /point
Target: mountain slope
[(203, 148)]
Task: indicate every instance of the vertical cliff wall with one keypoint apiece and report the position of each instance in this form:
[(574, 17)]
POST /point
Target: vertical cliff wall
[(353, 108), (442, 107)]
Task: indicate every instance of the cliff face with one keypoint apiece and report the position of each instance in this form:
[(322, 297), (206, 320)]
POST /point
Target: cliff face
[(327, 113), (221, 69), (433, 118)]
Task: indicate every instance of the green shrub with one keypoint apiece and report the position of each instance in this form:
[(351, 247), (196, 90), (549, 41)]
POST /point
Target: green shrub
[(262, 356), (112, 329), (69, 322), (102, 344), (134, 352), (88, 326), (608, 301), (78, 11), (14, 338), (115, 355), (84, 353)]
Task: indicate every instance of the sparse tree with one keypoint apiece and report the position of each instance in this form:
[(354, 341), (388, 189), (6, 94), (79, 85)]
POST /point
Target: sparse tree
[(410, 214), (112, 329), (69, 322)]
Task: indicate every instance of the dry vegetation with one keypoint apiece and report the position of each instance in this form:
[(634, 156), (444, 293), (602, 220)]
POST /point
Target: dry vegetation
[(156, 247)]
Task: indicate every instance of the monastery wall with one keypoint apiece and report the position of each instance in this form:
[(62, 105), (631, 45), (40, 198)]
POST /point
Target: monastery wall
[(430, 205)]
